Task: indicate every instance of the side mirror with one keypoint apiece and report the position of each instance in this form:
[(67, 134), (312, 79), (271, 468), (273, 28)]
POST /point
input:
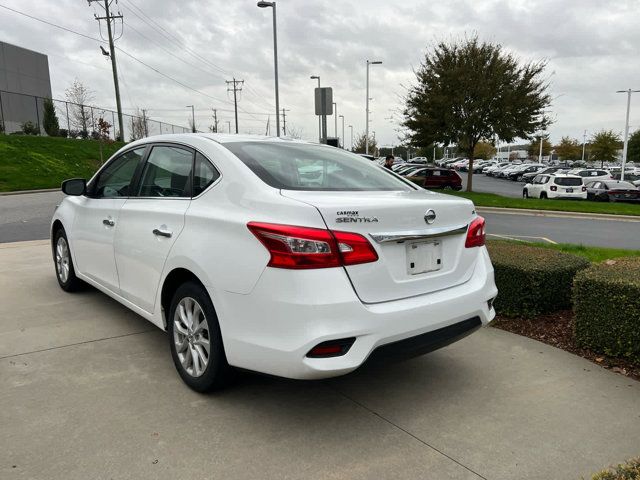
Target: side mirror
[(75, 186)]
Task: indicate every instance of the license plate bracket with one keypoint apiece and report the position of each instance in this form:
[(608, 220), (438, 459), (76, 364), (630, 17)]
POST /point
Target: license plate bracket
[(423, 257), (569, 190)]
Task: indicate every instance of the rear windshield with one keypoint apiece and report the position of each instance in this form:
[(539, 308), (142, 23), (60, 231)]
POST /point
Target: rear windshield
[(313, 167), (568, 182)]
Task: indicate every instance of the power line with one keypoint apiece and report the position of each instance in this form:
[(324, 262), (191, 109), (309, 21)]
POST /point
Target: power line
[(235, 90)]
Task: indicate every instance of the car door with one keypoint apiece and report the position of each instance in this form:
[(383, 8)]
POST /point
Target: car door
[(534, 187), (151, 221), (97, 218)]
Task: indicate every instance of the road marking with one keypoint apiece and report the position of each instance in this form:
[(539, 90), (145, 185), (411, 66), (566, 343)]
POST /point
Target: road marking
[(519, 237)]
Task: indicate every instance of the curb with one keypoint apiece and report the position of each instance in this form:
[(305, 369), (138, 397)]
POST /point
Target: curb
[(559, 213), (24, 192)]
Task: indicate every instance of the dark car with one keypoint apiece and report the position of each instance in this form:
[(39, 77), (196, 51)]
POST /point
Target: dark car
[(612, 191), (527, 177), (436, 178)]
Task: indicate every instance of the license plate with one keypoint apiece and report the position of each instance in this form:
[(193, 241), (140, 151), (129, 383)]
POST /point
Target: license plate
[(569, 190), (424, 257)]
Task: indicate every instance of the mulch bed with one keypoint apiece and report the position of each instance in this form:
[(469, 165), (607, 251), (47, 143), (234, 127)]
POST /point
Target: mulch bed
[(556, 329)]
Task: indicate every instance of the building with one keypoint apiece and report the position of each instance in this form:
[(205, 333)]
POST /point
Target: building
[(24, 83)]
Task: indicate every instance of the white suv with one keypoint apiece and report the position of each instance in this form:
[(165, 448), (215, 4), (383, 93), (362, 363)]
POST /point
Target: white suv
[(279, 256), (591, 174), (555, 186)]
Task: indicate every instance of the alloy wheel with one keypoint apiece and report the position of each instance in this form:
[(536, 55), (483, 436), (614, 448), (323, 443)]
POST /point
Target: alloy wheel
[(62, 259), (191, 336)]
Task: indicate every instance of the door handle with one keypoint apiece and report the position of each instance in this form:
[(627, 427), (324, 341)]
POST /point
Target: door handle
[(162, 233), (108, 223)]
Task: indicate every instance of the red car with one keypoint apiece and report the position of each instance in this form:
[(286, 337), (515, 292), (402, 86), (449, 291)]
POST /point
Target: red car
[(432, 177)]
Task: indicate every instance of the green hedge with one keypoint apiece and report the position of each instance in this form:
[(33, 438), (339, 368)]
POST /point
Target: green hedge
[(607, 307), (532, 280)]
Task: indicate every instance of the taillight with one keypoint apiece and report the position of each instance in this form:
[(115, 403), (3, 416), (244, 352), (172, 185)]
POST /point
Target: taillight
[(584, 189), (304, 247), (475, 234), (553, 188)]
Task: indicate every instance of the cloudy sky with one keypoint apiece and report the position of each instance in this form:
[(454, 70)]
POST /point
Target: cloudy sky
[(592, 46)]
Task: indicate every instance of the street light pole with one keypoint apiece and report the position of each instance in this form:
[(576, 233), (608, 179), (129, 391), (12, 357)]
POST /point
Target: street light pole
[(263, 4), (193, 119), (351, 127), (584, 141), (317, 77), (626, 129), (335, 119), (366, 124), (342, 117), (540, 156)]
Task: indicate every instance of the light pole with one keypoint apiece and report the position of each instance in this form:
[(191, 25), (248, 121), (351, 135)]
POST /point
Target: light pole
[(626, 129), (374, 142), (351, 127), (342, 117), (584, 141), (229, 125), (317, 77), (335, 119), (540, 156), (193, 118), (366, 123), (263, 4)]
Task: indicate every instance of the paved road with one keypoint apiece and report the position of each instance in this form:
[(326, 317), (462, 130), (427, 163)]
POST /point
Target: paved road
[(27, 217), (89, 391), (484, 184)]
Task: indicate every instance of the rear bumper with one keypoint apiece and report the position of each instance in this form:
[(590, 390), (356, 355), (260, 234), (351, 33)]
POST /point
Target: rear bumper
[(289, 312), (568, 196)]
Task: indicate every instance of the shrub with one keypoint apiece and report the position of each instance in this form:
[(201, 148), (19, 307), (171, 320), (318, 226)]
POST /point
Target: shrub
[(607, 306), (63, 132), (532, 280), (30, 128), (50, 118), (625, 471)]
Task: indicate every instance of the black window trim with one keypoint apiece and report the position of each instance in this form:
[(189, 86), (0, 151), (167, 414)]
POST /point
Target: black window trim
[(94, 180)]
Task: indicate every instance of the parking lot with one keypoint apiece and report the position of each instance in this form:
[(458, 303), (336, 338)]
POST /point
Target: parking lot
[(89, 391)]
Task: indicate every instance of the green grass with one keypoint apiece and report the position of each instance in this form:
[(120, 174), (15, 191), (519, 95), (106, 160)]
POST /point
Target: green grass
[(582, 206), (593, 254), (30, 162)]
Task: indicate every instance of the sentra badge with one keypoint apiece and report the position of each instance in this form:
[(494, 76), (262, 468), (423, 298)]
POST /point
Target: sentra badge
[(351, 216)]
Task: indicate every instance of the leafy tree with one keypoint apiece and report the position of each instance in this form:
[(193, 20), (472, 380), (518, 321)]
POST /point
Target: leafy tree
[(50, 118), (359, 146), (605, 145), (139, 128), (633, 147), (533, 149), (469, 90), (569, 149), (484, 150)]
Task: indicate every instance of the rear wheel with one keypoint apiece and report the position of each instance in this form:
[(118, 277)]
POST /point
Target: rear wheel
[(65, 273), (447, 187), (543, 195), (195, 339), (525, 193)]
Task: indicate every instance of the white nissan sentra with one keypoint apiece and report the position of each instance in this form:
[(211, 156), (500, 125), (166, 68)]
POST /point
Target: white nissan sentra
[(273, 255)]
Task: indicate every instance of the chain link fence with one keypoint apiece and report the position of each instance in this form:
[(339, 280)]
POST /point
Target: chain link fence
[(21, 113)]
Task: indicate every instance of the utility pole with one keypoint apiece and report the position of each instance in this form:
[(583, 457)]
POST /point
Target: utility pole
[(335, 119), (284, 121), (235, 89), (229, 125), (193, 118), (342, 117), (144, 122), (351, 127), (626, 130), (112, 54)]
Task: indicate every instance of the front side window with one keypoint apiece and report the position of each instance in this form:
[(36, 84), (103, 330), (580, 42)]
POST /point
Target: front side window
[(115, 179), (295, 166), (167, 173)]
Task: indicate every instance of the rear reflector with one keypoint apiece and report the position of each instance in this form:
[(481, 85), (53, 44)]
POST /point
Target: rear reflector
[(475, 234), (304, 247), (331, 348)]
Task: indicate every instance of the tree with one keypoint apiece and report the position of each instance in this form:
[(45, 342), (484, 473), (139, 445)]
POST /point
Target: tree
[(604, 146), (138, 125), (569, 149), (633, 147), (484, 151), (79, 97), (50, 118), (469, 90), (359, 146), (534, 147)]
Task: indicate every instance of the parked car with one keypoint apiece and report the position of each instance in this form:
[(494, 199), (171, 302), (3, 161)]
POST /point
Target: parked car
[(517, 173), (527, 177), (219, 241), (491, 169), (432, 177), (368, 157), (559, 185), (505, 172), (459, 164), (422, 160), (591, 174), (612, 191)]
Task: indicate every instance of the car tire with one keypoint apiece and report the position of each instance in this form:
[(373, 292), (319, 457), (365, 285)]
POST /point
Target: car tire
[(63, 262), (202, 369), (447, 187), (543, 196), (525, 193), (519, 179)]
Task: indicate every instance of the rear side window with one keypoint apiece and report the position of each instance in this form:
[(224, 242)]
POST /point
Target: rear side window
[(167, 173), (294, 166), (568, 182), (204, 174)]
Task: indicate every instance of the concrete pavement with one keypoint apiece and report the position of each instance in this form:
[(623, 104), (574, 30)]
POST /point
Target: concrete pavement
[(89, 391)]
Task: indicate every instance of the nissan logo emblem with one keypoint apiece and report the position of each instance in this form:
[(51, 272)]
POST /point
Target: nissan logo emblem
[(430, 216)]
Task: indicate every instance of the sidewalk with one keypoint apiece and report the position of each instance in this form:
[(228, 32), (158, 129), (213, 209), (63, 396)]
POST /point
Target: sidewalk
[(89, 391)]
